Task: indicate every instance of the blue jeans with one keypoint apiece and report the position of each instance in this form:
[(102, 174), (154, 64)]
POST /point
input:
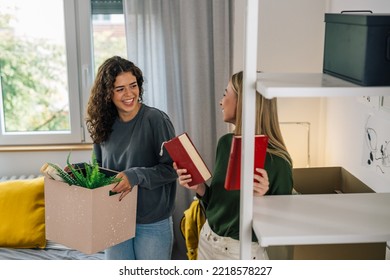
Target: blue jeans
[(151, 242)]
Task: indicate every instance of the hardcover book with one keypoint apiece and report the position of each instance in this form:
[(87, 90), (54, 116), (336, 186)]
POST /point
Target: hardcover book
[(184, 153), (233, 174)]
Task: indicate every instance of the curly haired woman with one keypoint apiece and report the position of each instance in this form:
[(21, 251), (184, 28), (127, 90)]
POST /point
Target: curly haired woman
[(127, 137)]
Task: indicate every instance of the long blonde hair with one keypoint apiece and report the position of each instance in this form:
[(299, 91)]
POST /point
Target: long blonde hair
[(267, 120)]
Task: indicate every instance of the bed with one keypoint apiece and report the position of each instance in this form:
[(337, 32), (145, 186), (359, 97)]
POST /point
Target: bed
[(52, 251), (22, 225)]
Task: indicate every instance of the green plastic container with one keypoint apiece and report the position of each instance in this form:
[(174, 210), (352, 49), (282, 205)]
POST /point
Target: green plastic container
[(357, 48)]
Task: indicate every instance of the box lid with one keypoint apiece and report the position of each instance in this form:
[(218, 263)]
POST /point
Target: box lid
[(358, 18)]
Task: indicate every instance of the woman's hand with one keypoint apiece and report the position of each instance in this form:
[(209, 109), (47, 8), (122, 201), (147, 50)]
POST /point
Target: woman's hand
[(184, 179), (123, 187), (261, 183)]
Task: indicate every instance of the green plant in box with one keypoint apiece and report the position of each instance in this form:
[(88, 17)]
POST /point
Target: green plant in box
[(90, 176)]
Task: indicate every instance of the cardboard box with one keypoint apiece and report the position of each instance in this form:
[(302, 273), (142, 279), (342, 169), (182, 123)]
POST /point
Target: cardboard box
[(357, 48), (88, 220), (326, 180), (323, 180)]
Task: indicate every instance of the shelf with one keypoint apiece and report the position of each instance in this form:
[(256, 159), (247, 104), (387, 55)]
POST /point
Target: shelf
[(306, 219), (272, 85)]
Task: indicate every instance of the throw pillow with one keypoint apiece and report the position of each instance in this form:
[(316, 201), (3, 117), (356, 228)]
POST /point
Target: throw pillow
[(22, 213)]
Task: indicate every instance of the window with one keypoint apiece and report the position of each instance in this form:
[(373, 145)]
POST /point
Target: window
[(46, 65), (108, 24), (33, 72)]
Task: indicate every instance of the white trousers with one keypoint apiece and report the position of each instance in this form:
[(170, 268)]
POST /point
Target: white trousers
[(214, 247)]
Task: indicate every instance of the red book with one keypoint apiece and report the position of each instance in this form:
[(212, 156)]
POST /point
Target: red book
[(233, 174), (183, 152)]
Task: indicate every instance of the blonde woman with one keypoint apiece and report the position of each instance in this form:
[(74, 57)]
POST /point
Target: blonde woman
[(219, 237)]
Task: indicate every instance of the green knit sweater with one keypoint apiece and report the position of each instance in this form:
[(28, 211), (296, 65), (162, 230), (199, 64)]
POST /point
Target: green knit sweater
[(222, 206)]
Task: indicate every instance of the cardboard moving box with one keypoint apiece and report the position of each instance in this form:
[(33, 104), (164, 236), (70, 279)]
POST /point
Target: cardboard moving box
[(328, 180), (322, 180), (88, 220)]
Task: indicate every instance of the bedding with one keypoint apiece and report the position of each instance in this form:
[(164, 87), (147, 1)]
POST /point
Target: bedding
[(52, 251)]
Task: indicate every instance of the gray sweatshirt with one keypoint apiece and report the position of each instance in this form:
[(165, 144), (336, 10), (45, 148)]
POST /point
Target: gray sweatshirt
[(134, 147)]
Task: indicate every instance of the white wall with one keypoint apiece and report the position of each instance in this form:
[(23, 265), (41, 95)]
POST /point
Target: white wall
[(29, 163), (291, 37), (346, 140), (290, 40)]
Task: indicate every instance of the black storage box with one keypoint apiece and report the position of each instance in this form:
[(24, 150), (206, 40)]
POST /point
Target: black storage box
[(357, 48)]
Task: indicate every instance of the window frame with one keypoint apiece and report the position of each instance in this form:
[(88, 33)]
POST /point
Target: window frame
[(77, 16)]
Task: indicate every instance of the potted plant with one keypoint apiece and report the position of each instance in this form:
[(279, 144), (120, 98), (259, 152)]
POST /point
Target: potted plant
[(86, 175)]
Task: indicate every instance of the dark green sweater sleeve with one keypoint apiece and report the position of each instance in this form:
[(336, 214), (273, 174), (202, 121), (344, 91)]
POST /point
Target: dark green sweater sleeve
[(222, 206)]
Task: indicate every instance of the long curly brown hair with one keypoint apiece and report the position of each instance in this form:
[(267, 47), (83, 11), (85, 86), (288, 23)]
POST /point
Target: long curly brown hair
[(101, 111)]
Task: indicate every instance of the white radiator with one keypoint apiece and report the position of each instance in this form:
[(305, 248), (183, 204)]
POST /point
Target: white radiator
[(18, 177)]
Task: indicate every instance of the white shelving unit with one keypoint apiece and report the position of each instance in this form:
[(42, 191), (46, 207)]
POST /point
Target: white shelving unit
[(272, 85), (248, 127), (278, 85)]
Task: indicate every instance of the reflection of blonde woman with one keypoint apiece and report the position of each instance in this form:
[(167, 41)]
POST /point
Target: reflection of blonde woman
[(219, 238)]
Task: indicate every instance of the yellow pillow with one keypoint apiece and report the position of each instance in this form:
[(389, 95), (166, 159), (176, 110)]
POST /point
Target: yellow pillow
[(22, 214)]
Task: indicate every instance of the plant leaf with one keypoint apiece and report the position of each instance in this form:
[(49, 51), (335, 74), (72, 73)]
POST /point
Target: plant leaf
[(88, 177)]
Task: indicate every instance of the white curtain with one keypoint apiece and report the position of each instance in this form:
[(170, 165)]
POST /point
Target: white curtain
[(184, 49)]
